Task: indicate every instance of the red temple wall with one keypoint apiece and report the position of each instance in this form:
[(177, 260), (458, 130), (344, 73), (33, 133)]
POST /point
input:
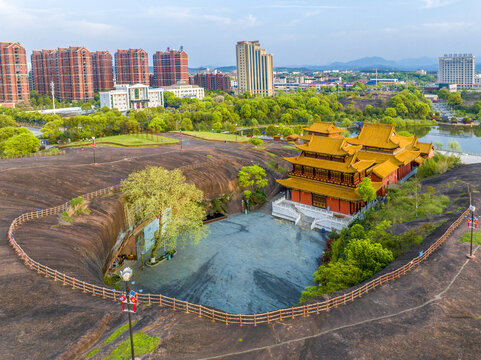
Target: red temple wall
[(295, 195), (345, 207), (306, 198)]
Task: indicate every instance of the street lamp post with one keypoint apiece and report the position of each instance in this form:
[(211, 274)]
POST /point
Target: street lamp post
[(93, 145), (235, 132), (126, 275), (472, 208)]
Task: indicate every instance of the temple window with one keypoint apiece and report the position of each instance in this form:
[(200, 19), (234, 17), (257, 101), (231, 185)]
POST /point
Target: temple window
[(298, 169), (348, 178), (335, 175), (308, 171), (309, 155), (319, 201)]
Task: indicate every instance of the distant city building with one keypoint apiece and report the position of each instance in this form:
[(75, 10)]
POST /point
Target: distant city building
[(128, 97), (212, 80), (254, 69), (132, 67), (421, 72), (170, 67), (13, 73), (102, 71), (457, 69), (182, 90)]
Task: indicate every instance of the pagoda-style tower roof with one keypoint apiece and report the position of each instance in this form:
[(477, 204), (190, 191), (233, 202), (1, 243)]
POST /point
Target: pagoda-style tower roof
[(324, 129), (337, 146), (380, 136)]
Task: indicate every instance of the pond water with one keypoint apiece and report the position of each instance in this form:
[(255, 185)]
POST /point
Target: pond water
[(247, 264), (469, 138)]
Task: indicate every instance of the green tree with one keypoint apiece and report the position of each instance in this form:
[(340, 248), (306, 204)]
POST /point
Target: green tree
[(256, 141), (51, 130), (252, 177), (366, 191), (390, 111), (7, 120), (157, 124), (156, 191), (21, 144), (455, 99), (271, 130), (256, 132)]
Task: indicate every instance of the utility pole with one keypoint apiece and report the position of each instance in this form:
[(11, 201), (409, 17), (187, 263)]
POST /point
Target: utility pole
[(472, 209), (52, 86)]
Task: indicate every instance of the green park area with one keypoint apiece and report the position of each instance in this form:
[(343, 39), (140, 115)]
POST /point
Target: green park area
[(467, 237), (211, 136), (129, 140)]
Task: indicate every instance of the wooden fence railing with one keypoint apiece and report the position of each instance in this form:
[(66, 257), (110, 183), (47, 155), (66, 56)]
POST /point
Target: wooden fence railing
[(200, 310)]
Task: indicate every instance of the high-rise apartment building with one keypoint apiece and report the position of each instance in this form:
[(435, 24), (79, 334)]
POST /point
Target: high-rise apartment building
[(457, 69), (170, 67), (74, 74), (44, 70), (213, 80), (71, 71), (254, 69), (13, 73), (131, 67), (102, 70)]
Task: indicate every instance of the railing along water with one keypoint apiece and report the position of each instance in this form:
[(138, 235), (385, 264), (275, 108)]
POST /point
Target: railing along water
[(200, 310)]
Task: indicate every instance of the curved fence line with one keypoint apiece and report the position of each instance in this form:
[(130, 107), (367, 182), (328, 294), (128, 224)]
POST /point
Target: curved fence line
[(200, 310)]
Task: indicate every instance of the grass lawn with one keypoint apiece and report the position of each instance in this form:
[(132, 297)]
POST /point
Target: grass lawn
[(205, 135), (118, 332), (143, 344), (467, 237), (130, 140), (290, 147)]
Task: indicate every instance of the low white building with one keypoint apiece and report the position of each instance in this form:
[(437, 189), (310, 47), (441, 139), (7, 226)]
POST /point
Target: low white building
[(128, 97), (183, 90)]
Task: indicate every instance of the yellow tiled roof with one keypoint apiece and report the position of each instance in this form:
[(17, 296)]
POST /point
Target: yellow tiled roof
[(332, 146), (407, 156), (419, 160), (379, 158), (325, 128), (352, 165), (381, 136), (338, 192), (320, 188), (384, 169), (425, 148)]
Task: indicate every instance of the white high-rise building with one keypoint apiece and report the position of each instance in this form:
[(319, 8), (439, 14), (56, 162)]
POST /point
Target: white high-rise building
[(457, 69), (255, 70)]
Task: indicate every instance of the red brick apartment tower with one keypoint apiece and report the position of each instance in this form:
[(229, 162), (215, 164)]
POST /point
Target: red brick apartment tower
[(215, 81), (131, 67), (44, 70), (170, 67), (13, 73), (74, 74), (102, 71)]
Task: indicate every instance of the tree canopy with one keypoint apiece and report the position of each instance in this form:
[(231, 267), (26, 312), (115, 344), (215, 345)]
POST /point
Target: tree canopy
[(157, 192), (366, 190)]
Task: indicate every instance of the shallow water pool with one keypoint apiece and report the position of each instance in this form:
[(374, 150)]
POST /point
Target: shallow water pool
[(248, 263)]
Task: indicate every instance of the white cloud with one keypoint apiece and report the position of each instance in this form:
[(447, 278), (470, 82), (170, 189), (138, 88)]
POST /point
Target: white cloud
[(431, 4)]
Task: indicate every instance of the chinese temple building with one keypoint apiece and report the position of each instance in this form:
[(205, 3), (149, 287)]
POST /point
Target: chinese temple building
[(321, 190)]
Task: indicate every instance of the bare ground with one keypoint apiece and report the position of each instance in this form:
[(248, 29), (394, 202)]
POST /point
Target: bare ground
[(434, 312)]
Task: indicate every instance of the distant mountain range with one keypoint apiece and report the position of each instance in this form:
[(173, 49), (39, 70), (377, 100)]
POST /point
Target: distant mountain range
[(372, 63)]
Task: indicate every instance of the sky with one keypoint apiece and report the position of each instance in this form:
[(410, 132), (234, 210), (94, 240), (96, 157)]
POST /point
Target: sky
[(304, 32)]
